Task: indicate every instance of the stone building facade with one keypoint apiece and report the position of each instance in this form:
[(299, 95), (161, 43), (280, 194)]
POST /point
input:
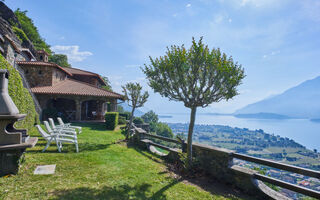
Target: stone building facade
[(76, 97), (73, 93)]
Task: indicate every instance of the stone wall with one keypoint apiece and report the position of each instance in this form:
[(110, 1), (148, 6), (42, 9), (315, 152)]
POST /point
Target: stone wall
[(38, 75), (58, 76), (217, 164)]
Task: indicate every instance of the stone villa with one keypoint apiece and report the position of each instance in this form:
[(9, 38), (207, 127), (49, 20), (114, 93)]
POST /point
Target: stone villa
[(74, 93)]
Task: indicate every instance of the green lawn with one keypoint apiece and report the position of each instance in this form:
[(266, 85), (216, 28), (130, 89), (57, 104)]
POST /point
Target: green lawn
[(103, 169)]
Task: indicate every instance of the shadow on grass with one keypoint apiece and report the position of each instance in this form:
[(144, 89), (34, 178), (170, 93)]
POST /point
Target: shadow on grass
[(125, 191), (83, 147), (203, 181), (145, 153)]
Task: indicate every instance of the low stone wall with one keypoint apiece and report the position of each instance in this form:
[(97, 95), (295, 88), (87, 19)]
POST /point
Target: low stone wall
[(217, 162)]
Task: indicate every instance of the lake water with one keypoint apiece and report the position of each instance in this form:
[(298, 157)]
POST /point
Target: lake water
[(302, 131)]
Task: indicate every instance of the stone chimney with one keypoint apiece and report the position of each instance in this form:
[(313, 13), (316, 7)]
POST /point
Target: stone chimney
[(42, 55)]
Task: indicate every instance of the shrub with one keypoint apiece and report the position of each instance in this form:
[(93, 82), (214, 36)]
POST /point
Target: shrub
[(122, 120), (20, 96), (127, 115), (164, 130), (138, 120), (150, 117), (111, 120), (20, 34)]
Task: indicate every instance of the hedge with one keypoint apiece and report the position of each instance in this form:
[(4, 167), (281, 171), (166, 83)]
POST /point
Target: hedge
[(20, 96), (138, 120), (126, 115), (122, 120), (111, 120)]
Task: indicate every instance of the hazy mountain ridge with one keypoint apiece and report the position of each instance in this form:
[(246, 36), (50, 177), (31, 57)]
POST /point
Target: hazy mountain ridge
[(127, 108), (301, 101)]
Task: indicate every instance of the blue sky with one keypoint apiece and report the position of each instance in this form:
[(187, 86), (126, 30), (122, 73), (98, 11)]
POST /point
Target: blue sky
[(277, 42)]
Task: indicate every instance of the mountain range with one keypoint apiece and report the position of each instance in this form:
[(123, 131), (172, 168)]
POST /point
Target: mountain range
[(301, 101)]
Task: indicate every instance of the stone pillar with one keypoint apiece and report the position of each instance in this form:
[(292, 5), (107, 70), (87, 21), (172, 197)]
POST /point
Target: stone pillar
[(78, 110), (100, 110), (113, 105)]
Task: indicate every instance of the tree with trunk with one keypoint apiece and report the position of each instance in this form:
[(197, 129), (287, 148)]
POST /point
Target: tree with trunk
[(135, 98), (197, 77)]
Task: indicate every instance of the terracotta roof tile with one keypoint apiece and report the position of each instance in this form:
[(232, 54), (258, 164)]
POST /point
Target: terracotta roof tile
[(73, 87), (13, 44), (40, 63), (83, 72), (42, 51)]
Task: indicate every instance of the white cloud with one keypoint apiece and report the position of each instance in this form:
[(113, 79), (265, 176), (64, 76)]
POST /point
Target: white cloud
[(229, 20), (218, 19), (188, 5), (73, 53), (271, 54)]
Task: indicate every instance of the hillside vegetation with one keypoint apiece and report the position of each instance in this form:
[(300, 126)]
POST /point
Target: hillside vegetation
[(20, 96), (28, 31)]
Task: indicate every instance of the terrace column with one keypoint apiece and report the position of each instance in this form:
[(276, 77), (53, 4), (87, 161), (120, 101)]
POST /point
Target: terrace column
[(78, 110)]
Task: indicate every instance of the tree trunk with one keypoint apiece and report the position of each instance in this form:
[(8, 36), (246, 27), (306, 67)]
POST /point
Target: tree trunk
[(130, 123), (190, 133)]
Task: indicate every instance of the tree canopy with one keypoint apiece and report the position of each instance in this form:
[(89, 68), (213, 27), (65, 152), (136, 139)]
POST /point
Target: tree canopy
[(196, 76), (135, 98), (107, 82), (60, 59), (164, 130), (150, 117)]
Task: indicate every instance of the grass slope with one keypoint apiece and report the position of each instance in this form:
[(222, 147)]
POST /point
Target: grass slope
[(103, 169)]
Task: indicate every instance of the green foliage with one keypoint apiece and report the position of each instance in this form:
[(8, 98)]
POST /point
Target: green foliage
[(20, 96), (133, 94), (111, 120), (138, 120), (59, 59), (164, 130), (153, 126), (106, 169), (31, 31), (108, 84), (126, 115), (150, 117), (120, 109), (180, 136), (122, 120), (20, 34), (197, 77)]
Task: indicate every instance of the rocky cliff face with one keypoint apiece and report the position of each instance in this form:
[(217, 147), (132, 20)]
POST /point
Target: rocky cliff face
[(8, 18), (8, 15)]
